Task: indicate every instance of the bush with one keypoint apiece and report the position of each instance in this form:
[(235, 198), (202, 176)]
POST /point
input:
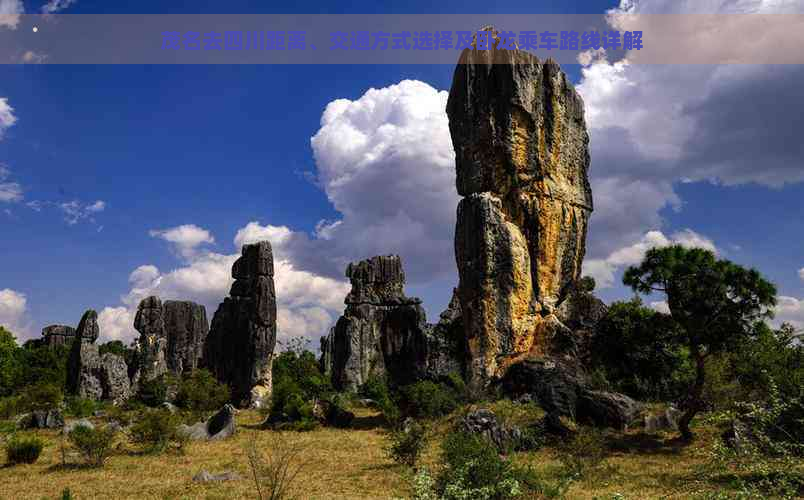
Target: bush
[(23, 450), (9, 406), (474, 469), (153, 392), (44, 396), (289, 409), (406, 445), (582, 453), (376, 389), (200, 391), (95, 445), (426, 399), (275, 471), (79, 407), (156, 430)]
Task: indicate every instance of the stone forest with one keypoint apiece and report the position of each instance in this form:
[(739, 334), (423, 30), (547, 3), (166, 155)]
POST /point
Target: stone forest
[(526, 386)]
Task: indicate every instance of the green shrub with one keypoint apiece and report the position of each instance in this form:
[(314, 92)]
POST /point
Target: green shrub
[(95, 445), (155, 430), (289, 408), (43, 396), (200, 391), (582, 453), (426, 399), (79, 407), (153, 392), (473, 468), (10, 406), (406, 445), (376, 389), (21, 449)]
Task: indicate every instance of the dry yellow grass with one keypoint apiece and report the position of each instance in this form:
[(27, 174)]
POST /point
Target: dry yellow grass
[(347, 464)]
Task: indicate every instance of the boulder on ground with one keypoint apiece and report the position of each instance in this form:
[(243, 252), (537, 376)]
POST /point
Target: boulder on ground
[(561, 390), (484, 422), (665, 421), (205, 476), (71, 425), (219, 426)]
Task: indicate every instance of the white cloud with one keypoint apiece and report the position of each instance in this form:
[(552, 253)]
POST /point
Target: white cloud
[(9, 191), (603, 270), (10, 11), (7, 117), (31, 57), (75, 211), (660, 306), (801, 273), (185, 239), (653, 125), (53, 6), (115, 323), (790, 310), (13, 305)]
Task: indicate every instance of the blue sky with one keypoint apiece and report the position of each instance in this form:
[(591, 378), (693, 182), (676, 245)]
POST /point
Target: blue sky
[(214, 148)]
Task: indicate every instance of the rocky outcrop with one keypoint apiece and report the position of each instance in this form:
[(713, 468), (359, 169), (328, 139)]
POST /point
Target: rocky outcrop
[(563, 392), (521, 155), (57, 335), (483, 422), (383, 332), (240, 345), (41, 419), (90, 375), (219, 426), (172, 336)]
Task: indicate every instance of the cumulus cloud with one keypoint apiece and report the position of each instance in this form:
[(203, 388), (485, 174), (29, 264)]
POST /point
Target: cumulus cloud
[(801, 273), (13, 305), (790, 310), (385, 162), (654, 125), (604, 270), (9, 191), (10, 12), (660, 306), (307, 303), (185, 239)]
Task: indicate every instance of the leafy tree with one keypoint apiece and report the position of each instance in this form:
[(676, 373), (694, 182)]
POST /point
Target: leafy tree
[(637, 350), (119, 348), (9, 362), (714, 301), (42, 364), (773, 356)]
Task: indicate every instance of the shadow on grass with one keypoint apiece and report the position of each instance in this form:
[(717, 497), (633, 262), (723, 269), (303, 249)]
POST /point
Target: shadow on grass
[(71, 467), (647, 444), (368, 423)]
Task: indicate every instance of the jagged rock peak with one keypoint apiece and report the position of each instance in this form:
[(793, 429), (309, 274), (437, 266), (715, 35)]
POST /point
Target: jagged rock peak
[(88, 330), (378, 280)]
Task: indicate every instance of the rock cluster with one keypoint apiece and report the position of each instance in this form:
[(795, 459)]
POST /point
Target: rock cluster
[(56, 335), (383, 332), (172, 336), (521, 155), (484, 422), (90, 375), (240, 345), (562, 391)]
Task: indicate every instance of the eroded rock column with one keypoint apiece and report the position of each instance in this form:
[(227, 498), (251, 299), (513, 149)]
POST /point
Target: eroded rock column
[(521, 156), (240, 346)]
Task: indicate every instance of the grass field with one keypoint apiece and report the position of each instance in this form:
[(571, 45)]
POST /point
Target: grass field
[(351, 464)]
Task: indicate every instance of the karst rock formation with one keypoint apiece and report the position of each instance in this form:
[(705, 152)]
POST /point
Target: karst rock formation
[(385, 333), (172, 336), (91, 375), (57, 335), (240, 345), (521, 155)]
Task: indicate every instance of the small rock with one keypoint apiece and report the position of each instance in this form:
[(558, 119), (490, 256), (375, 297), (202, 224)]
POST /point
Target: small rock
[(484, 422), (205, 476), (70, 426), (667, 421), (218, 426), (169, 407)]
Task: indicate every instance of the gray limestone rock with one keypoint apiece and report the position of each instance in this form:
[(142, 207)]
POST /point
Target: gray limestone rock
[(55, 335), (90, 375), (219, 426), (240, 346)]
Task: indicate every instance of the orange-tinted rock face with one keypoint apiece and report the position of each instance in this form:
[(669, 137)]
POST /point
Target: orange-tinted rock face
[(521, 154)]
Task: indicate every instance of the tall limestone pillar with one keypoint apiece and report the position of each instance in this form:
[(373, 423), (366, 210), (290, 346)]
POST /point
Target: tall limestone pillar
[(521, 156)]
